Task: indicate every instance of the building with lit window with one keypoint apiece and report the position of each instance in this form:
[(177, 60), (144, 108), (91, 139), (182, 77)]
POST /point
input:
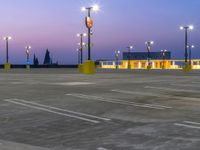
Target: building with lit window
[(139, 60), (144, 55)]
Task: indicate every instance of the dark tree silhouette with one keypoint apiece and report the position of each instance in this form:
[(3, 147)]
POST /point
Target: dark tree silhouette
[(35, 60), (47, 59)]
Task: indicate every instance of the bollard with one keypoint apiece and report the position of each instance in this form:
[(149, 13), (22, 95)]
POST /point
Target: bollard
[(89, 67), (7, 66), (187, 67), (28, 67), (81, 68)]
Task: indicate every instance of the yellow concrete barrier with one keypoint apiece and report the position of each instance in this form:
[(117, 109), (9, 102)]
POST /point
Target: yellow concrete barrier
[(81, 68), (149, 67), (187, 68), (7, 67), (89, 67)]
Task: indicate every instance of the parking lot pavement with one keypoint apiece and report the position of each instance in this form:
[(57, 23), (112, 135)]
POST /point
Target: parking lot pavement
[(4, 145), (60, 109)]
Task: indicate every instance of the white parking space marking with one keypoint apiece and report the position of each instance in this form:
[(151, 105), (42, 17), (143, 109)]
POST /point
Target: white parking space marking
[(187, 126), (137, 93), (101, 148), (196, 82), (191, 122), (26, 83), (51, 111), (156, 95), (170, 89), (151, 81), (73, 83), (17, 82), (186, 85), (64, 110), (47, 83), (118, 101)]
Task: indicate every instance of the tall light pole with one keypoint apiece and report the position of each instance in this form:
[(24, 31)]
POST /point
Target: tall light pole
[(81, 35), (186, 28), (129, 56), (28, 56), (149, 45), (78, 52), (190, 47), (89, 24), (117, 59), (7, 38), (163, 52)]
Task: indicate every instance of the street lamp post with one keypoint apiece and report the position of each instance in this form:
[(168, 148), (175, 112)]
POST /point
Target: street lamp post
[(7, 38), (163, 52), (129, 56), (149, 45), (89, 25), (117, 59), (28, 56), (190, 47), (81, 46), (186, 28), (78, 52)]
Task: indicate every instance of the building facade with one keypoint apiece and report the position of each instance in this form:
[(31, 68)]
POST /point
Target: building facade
[(144, 55), (139, 60), (142, 64)]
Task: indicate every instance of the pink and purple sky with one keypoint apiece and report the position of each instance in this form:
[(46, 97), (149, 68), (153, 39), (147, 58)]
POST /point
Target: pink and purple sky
[(53, 24)]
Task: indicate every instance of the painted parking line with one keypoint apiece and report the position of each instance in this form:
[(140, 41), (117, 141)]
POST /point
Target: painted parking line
[(157, 95), (58, 83), (196, 82), (52, 111), (170, 89), (101, 148), (63, 110), (73, 83), (118, 101), (189, 124), (137, 93), (151, 81), (186, 85)]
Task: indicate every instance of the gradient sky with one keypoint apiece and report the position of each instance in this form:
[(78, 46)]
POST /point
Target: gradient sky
[(54, 24)]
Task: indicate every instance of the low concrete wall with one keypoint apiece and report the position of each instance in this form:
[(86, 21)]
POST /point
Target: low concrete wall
[(40, 66)]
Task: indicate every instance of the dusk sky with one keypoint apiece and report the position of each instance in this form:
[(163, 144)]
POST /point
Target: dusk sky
[(54, 24)]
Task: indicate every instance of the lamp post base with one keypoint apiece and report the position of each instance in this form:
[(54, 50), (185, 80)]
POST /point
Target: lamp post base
[(129, 66), (81, 68), (187, 67), (89, 67), (28, 67), (7, 66), (149, 67), (163, 67)]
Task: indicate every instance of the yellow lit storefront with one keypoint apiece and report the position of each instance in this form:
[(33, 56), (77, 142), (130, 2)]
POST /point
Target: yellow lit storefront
[(142, 64)]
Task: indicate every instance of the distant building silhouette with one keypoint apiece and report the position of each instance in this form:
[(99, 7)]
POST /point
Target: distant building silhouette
[(47, 58)]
